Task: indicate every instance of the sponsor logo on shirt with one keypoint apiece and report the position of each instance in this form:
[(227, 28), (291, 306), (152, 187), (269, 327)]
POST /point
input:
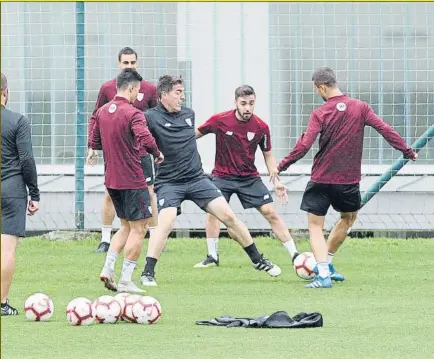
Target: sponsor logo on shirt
[(188, 120), (140, 96), (112, 108), (250, 135), (229, 133), (341, 106)]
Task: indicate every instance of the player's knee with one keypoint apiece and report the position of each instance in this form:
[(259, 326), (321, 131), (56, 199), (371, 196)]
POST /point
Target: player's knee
[(348, 218), (228, 217), (270, 215)]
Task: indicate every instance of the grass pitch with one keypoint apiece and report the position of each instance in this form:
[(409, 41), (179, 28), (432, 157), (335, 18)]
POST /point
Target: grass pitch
[(383, 310)]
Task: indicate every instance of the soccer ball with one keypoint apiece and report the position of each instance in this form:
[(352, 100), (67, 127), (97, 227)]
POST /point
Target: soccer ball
[(147, 310), (304, 265), (39, 307), (106, 309), (127, 313), (79, 312), (120, 298)]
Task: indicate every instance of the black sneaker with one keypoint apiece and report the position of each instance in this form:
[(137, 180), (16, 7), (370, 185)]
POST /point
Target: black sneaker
[(148, 279), (296, 254), (209, 261), (265, 265), (102, 248), (8, 310)]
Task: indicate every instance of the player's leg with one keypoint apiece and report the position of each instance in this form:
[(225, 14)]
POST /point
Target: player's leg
[(316, 201), (117, 243), (170, 198), (107, 218), (137, 214), (208, 197), (345, 199), (253, 193), (13, 227), (212, 225)]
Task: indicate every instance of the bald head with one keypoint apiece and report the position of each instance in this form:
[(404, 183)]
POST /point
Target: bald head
[(4, 82)]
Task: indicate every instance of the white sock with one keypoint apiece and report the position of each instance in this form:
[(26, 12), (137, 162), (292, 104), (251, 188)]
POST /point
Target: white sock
[(127, 270), (151, 229), (110, 260), (213, 246), (290, 246), (330, 257), (323, 269), (106, 231)]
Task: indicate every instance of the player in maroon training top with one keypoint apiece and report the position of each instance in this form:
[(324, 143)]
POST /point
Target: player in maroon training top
[(238, 134), (146, 98), (336, 169), (120, 131)]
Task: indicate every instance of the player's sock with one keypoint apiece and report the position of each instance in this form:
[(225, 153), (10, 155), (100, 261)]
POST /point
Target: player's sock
[(323, 269), (127, 270), (290, 246), (105, 233), (150, 265), (151, 229), (253, 253), (330, 257), (110, 260), (213, 245)]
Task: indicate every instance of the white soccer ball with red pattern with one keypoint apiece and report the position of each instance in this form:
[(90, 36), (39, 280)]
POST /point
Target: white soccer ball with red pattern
[(79, 312), (120, 297), (106, 309), (39, 307), (304, 265), (127, 313), (147, 310)]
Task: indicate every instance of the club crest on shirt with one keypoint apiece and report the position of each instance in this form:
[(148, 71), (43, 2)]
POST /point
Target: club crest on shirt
[(341, 106), (250, 135), (188, 120), (112, 108), (140, 96)]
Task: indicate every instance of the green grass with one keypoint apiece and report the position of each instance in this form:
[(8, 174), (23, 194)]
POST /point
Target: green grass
[(383, 310)]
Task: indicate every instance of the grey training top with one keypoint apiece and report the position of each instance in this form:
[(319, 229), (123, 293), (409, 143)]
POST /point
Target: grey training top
[(18, 164), (175, 135)]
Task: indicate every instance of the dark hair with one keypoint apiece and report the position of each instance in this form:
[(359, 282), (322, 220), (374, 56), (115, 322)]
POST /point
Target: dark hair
[(243, 91), (127, 77), (126, 51), (324, 76), (4, 82), (166, 83)]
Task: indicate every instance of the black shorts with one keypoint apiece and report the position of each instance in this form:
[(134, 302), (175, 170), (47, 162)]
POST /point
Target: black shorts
[(251, 191), (131, 204), (200, 191), (14, 216), (148, 169), (318, 197)]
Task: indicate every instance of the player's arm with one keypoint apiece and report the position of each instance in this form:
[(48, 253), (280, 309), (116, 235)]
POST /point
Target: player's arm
[(209, 126), (303, 144), (144, 136), (95, 139), (25, 153), (100, 101), (389, 134)]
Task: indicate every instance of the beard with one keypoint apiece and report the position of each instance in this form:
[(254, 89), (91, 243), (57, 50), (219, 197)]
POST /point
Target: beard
[(244, 116)]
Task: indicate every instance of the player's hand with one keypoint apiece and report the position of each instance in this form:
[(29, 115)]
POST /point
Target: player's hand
[(159, 159), (415, 156), (92, 157), (32, 208), (281, 191)]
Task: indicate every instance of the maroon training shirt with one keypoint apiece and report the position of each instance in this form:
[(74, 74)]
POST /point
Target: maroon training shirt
[(120, 130), (341, 121), (236, 143), (146, 99)]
